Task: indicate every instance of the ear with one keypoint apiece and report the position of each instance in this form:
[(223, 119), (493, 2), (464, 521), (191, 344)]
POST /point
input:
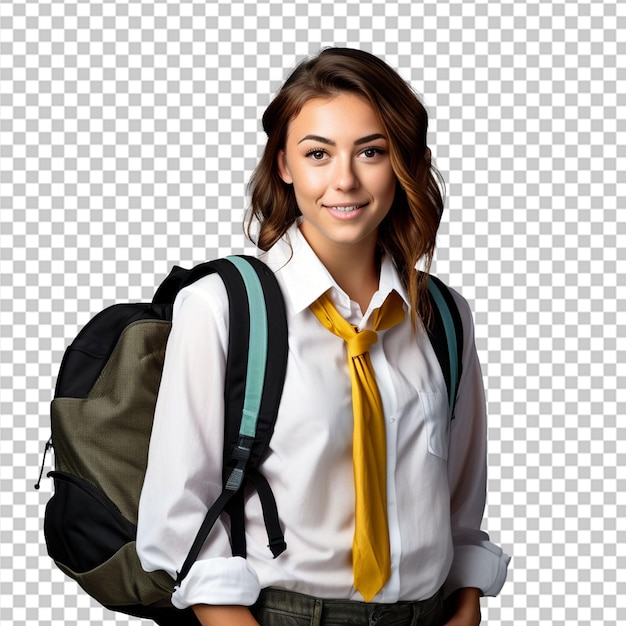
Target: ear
[(283, 168)]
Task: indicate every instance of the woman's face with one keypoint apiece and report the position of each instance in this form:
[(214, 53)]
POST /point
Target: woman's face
[(337, 158)]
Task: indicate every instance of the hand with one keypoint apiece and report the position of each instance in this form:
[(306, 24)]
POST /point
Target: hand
[(213, 615), (466, 611)]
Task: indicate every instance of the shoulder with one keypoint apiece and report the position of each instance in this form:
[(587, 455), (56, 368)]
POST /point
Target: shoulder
[(203, 301), (464, 308), (465, 312)]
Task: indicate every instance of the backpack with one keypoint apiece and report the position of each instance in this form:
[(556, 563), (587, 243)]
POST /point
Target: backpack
[(445, 331), (101, 418), (102, 415)]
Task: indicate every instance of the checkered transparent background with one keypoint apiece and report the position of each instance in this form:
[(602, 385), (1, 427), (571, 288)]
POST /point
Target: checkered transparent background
[(128, 131)]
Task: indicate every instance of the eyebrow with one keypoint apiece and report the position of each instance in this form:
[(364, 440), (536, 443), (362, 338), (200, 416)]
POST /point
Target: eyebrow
[(330, 142)]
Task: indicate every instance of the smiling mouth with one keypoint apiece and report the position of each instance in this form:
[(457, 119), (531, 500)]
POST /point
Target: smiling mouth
[(346, 209)]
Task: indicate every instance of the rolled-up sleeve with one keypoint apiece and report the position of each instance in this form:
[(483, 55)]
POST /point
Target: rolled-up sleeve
[(477, 561), (184, 472)]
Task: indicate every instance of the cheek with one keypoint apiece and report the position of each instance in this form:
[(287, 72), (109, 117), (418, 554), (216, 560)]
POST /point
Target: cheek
[(385, 183), (308, 180)]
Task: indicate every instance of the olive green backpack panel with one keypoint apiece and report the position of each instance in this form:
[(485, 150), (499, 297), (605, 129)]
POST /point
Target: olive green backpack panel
[(133, 586), (107, 449)]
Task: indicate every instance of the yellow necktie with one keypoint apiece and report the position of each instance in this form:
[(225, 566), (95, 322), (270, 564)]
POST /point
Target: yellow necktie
[(370, 547)]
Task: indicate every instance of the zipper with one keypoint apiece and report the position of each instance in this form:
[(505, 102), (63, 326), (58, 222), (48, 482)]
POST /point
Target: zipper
[(90, 489), (43, 462)]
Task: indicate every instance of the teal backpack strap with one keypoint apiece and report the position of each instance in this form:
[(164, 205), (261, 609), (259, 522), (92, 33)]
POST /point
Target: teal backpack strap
[(445, 332), (255, 372), (255, 274)]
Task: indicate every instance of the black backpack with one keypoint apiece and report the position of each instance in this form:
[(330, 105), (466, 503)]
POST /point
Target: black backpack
[(101, 419), (102, 415)]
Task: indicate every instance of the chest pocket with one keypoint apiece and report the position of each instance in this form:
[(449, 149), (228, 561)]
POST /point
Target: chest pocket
[(437, 418)]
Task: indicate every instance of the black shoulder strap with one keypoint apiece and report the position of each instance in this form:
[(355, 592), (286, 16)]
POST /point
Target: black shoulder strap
[(255, 372), (248, 453), (445, 332)]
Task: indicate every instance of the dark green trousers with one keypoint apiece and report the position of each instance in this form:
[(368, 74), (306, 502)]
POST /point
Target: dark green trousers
[(276, 607)]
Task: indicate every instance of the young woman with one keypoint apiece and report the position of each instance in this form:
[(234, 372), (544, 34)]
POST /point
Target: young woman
[(380, 499)]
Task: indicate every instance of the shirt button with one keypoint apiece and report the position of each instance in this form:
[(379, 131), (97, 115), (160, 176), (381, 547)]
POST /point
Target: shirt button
[(392, 420)]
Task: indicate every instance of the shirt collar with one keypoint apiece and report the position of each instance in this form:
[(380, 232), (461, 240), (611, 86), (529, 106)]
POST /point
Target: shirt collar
[(305, 277)]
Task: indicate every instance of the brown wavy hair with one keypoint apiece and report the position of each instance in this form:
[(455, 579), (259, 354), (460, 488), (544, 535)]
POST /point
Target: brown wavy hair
[(408, 232)]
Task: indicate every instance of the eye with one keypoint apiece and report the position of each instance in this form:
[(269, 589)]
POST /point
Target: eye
[(370, 153), (317, 154)]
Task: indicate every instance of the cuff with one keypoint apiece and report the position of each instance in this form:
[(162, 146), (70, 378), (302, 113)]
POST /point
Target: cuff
[(220, 581), (477, 563)]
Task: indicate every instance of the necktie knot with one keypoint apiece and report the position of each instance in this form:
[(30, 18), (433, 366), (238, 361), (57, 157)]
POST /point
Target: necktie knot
[(360, 342)]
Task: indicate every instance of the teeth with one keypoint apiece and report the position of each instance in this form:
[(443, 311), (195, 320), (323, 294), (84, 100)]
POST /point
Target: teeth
[(346, 209)]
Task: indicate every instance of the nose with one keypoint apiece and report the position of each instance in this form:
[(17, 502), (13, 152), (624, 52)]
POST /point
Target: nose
[(345, 178)]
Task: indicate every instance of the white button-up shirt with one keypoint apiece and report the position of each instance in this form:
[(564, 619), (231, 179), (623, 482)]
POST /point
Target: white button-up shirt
[(436, 471)]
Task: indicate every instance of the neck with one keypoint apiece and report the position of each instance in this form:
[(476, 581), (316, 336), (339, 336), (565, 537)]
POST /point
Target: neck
[(354, 267)]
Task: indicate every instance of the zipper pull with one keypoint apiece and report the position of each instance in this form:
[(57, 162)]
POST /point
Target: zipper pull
[(43, 462)]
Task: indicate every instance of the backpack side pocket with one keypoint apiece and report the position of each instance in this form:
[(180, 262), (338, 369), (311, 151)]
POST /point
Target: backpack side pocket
[(83, 528)]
